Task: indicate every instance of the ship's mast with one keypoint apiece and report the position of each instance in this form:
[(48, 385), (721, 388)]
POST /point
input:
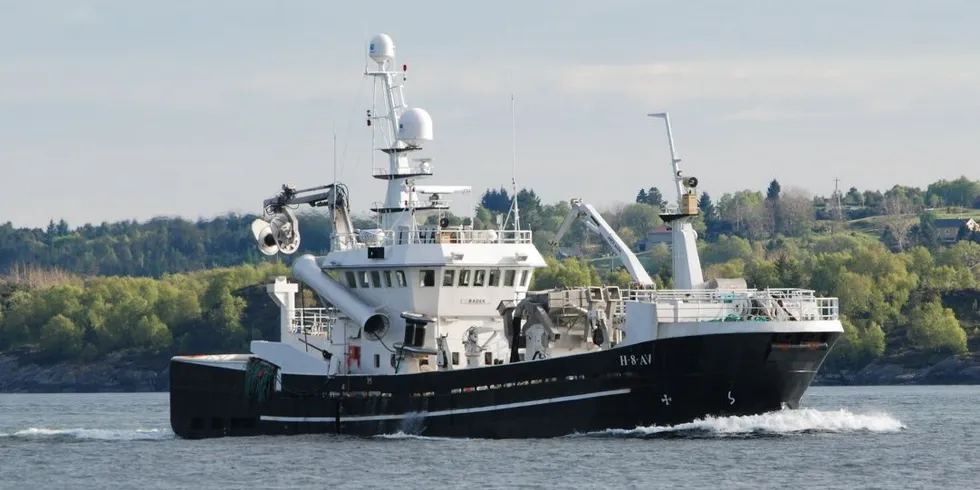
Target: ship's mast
[(514, 208), (400, 198)]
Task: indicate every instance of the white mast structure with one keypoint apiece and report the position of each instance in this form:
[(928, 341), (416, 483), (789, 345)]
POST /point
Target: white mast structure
[(687, 263), (403, 131)]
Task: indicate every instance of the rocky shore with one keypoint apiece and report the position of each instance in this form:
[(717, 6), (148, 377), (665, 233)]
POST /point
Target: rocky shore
[(949, 371), (115, 373)]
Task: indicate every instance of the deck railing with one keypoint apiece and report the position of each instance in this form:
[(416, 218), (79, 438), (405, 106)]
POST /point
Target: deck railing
[(698, 305), (313, 321), (377, 238)]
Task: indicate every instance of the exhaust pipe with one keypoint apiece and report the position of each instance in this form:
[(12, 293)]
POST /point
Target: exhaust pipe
[(368, 317)]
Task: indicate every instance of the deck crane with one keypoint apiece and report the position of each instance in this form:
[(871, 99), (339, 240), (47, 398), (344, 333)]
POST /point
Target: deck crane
[(594, 221)]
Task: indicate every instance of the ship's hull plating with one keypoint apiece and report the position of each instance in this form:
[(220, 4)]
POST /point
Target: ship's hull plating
[(663, 382)]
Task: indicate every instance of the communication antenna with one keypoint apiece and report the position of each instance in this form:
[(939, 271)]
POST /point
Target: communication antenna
[(513, 177), (332, 208)]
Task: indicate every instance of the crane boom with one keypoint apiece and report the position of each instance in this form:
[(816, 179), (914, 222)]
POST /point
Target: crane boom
[(594, 221)]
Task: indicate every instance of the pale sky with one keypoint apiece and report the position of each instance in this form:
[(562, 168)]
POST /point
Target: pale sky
[(126, 109)]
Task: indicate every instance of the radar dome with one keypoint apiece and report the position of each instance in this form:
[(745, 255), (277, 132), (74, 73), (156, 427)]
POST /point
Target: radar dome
[(415, 127), (382, 48)]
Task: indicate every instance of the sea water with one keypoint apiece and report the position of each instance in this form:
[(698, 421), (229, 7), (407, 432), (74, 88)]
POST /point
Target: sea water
[(843, 437)]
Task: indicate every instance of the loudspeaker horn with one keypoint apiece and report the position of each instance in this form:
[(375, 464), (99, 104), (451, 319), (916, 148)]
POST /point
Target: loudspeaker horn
[(264, 238), (285, 229)]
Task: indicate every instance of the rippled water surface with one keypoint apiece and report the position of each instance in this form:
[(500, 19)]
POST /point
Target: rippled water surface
[(852, 437)]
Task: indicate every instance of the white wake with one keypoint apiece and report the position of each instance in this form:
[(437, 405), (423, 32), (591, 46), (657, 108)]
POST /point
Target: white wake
[(92, 434), (782, 422)]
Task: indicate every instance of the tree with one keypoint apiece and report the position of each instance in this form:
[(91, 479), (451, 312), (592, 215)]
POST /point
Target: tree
[(653, 197), (496, 201), (772, 192), (60, 337), (567, 273), (926, 233), (707, 207), (933, 327), (641, 197), (795, 213), (854, 197)]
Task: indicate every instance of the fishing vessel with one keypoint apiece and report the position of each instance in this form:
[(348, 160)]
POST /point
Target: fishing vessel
[(430, 328)]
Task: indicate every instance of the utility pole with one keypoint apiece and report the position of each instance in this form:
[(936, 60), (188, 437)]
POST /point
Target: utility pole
[(837, 197)]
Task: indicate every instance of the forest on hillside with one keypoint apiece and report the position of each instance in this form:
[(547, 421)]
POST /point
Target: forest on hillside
[(174, 285)]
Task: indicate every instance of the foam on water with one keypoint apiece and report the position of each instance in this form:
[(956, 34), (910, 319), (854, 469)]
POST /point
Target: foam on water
[(91, 434), (782, 422)]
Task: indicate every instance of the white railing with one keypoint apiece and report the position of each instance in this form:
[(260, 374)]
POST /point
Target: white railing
[(377, 238), (313, 321), (424, 168), (417, 204), (699, 305)]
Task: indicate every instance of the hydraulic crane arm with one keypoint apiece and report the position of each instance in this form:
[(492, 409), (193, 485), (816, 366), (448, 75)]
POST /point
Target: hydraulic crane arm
[(594, 221)]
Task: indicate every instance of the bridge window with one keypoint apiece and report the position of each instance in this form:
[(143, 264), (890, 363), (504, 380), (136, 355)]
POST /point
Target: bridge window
[(524, 278), (351, 280), (479, 277), (364, 278), (387, 279), (400, 276), (427, 278), (448, 276), (494, 280), (376, 279), (464, 277), (509, 277)]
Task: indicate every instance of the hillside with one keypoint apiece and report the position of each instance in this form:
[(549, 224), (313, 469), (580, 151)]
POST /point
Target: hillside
[(87, 295)]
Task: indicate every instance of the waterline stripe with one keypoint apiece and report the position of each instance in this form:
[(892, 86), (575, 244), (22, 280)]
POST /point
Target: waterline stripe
[(440, 413)]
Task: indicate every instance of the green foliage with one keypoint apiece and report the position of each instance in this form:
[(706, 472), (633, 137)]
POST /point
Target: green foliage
[(60, 337), (858, 345), (153, 248), (933, 327), (567, 273), (195, 312)]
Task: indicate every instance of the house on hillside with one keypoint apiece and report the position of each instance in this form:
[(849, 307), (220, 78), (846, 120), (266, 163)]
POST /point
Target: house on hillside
[(949, 228), (659, 235)]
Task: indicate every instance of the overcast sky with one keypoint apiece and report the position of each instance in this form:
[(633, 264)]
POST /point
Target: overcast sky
[(125, 109)]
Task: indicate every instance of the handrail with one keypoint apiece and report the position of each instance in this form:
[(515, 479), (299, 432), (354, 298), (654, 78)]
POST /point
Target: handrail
[(429, 235), (313, 321), (698, 305)]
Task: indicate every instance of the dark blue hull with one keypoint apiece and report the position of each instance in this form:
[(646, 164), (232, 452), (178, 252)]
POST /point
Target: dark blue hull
[(663, 382)]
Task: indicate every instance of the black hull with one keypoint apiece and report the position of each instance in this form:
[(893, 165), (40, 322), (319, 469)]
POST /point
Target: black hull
[(663, 382)]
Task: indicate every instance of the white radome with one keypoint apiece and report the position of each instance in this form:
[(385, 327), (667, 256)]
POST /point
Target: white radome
[(415, 127), (381, 49)]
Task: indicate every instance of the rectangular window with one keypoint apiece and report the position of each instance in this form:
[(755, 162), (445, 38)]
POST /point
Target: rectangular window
[(479, 277), (524, 278), (376, 279), (494, 278), (387, 279), (464, 277), (351, 280), (509, 277), (363, 275), (427, 278), (400, 275), (377, 360), (448, 276)]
